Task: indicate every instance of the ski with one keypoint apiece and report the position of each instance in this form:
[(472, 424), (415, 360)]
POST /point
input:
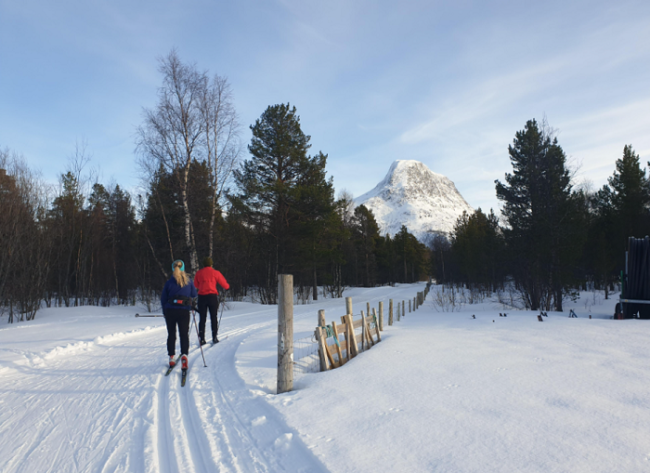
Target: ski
[(169, 370), (183, 377), (211, 344)]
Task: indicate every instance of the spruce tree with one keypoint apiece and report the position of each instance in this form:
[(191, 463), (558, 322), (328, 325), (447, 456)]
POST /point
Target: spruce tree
[(630, 196), (620, 211)]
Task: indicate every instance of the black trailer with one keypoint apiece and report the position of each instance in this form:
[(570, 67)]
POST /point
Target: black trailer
[(635, 281)]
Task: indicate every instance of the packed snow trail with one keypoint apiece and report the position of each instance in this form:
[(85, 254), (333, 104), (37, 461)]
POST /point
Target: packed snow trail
[(83, 389), (105, 406)]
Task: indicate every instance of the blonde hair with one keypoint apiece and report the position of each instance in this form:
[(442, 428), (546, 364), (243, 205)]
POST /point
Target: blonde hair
[(180, 276)]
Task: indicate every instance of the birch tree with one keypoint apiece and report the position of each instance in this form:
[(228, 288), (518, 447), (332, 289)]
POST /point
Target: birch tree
[(194, 119)]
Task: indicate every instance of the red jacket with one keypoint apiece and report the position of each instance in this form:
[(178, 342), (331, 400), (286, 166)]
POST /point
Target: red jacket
[(206, 281)]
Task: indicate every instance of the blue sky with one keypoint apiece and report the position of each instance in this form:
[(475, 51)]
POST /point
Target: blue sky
[(445, 83)]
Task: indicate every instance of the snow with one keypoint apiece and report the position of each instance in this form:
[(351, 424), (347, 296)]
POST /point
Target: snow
[(82, 389), (413, 195)]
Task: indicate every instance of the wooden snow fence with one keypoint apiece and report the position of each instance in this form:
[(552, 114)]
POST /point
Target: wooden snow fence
[(339, 343), (350, 337)]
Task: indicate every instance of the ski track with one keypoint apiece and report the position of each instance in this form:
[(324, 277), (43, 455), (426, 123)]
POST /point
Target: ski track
[(85, 413)]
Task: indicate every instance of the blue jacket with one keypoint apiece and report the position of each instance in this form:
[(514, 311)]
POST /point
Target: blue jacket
[(172, 289)]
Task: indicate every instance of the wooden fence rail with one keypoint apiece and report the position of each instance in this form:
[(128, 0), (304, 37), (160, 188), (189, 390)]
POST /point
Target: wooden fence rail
[(338, 343)]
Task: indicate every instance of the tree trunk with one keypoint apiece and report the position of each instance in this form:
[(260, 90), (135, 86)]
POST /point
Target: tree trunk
[(558, 300), (189, 240)]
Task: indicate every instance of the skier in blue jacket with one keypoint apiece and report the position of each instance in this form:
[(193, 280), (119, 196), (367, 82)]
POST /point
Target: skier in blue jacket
[(176, 300)]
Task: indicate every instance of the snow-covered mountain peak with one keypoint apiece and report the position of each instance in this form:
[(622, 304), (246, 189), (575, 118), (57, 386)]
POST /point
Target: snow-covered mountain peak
[(412, 195)]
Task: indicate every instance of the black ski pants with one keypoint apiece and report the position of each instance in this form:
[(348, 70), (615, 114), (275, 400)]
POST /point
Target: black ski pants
[(208, 302), (180, 318)]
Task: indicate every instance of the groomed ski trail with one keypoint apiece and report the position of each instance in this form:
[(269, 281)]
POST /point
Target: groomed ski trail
[(106, 406)]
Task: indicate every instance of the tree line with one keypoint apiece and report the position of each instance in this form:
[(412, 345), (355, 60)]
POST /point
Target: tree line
[(275, 212), (553, 237), (91, 243)]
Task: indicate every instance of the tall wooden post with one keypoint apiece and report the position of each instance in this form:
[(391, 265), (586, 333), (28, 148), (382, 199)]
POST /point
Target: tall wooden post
[(353, 346), (285, 333), (374, 314), (403, 305), (353, 338), (381, 316), (322, 340), (398, 312), (321, 337), (368, 308), (363, 332), (410, 305), (390, 312), (415, 305)]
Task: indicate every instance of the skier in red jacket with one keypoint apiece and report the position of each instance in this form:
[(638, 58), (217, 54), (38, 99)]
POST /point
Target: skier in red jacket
[(206, 281)]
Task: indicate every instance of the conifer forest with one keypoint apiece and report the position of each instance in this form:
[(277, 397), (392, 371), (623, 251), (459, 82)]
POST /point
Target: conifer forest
[(266, 207)]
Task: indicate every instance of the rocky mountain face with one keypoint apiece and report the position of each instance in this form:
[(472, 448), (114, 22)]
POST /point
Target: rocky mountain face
[(413, 195)]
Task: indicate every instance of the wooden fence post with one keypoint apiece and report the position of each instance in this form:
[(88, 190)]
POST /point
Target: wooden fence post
[(403, 305), (374, 313), (321, 336), (368, 308), (366, 329), (348, 305), (398, 312), (410, 306), (285, 333), (390, 312), (352, 342), (381, 316), (363, 332), (338, 345)]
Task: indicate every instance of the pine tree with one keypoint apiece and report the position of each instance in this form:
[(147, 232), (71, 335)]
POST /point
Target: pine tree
[(478, 249), (539, 209), (315, 210), (283, 193), (67, 222), (365, 234)]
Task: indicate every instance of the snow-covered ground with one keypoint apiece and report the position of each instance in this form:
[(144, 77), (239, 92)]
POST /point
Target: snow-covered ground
[(83, 389)]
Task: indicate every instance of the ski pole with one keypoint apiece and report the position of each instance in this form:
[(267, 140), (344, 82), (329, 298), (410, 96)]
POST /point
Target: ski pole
[(197, 334)]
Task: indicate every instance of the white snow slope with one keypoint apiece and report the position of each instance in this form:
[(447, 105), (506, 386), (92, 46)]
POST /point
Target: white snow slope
[(413, 195), (82, 390)]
